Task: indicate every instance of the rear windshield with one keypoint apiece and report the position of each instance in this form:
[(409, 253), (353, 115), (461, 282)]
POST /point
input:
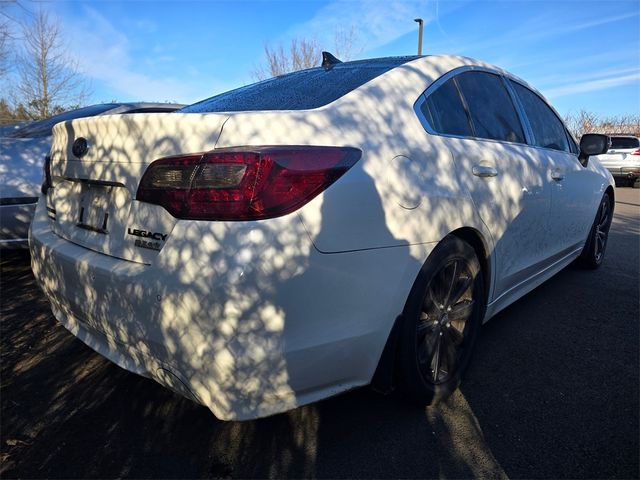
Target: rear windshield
[(300, 90), (42, 128), (624, 142)]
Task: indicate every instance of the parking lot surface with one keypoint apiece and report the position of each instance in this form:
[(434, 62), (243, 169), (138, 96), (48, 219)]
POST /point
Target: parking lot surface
[(552, 393)]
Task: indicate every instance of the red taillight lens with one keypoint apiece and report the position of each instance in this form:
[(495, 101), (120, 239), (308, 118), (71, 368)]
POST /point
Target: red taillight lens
[(635, 152), (250, 183)]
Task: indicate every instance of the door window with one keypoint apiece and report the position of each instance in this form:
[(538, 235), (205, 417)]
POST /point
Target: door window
[(492, 112), (548, 130)]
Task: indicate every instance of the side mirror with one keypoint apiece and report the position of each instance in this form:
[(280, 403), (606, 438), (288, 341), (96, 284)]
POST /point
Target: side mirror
[(593, 144)]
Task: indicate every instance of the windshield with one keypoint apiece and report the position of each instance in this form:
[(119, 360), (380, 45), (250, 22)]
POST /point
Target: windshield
[(42, 128), (624, 142), (300, 90)]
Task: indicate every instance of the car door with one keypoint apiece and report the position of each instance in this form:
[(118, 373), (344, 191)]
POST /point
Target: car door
[(474, 112), (573, 186)]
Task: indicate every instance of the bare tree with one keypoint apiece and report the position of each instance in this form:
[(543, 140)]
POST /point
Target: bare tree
[(48, 79), (303, 53), (4, 47), (5, 40), (588, 122), (345, 43)]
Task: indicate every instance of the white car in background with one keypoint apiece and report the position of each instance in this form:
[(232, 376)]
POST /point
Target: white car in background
[(315, 232), (23, 149), (623, 160), (9, 129)]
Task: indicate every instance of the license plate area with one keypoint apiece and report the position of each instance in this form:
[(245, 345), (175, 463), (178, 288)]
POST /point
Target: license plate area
[(94, 208)]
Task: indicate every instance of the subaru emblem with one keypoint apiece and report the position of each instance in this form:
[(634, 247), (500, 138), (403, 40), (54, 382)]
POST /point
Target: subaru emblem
[(80, 147)]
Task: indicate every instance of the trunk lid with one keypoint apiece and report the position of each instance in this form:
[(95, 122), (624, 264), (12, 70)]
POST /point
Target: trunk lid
[(92, 201)]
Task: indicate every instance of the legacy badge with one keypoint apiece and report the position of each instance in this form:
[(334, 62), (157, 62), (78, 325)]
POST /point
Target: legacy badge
[(159, 237)]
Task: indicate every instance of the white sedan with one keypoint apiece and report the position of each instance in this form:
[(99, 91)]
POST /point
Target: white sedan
[(349, 224)]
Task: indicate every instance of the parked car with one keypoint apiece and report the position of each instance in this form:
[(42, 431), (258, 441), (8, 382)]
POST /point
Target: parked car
[(289, 240), (623, 160), (10, 128), (22, 153)]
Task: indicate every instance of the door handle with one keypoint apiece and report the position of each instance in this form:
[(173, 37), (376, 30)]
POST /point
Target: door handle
[(557, 174), (484, 171)]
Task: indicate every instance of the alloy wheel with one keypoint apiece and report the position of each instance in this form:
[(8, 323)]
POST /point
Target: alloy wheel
[(443, 325), (602, 230)]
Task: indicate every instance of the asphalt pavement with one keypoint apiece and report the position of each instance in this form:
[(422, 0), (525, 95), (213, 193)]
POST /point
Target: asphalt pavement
[(552, 393)]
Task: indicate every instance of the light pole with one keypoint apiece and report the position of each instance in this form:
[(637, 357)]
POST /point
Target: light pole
[(420, 23)]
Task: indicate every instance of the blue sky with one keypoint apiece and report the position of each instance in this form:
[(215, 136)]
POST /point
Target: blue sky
[(580, 54)]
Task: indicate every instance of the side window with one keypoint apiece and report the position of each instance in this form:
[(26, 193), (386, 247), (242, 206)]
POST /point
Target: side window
[(492, 112), (548, 130), (573, 146), (444, 111)]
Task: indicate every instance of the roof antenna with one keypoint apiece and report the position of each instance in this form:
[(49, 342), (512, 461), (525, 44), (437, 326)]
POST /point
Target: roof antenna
[(329, 61)]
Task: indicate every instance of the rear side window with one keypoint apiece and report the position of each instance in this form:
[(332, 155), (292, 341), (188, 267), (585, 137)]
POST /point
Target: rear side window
[(300, 90), (624, 142), (492, 112), (548, 130), (445, 112)]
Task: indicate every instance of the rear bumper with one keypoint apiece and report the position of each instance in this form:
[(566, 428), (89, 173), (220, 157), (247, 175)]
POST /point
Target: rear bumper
[(279, 332), (629, 172)]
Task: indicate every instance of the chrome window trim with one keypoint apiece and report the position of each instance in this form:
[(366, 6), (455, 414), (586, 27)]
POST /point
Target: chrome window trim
[(436, 84), (507, 78)]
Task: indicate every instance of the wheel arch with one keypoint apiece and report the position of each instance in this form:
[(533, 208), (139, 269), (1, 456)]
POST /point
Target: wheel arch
[(479, 244), (383, 379), (612, 194)]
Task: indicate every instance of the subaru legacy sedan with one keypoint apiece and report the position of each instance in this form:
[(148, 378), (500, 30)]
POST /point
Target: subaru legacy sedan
[(345, 225)]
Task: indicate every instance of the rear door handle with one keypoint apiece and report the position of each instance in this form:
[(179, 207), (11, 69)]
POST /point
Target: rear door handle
[(557, 174), (484, 171)]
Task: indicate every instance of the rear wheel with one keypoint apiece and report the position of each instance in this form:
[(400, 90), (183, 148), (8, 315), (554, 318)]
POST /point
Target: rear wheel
[(594, 249), (441, 322)]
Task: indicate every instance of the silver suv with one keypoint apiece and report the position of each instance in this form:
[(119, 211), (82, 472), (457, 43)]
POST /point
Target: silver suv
[(623, 160)]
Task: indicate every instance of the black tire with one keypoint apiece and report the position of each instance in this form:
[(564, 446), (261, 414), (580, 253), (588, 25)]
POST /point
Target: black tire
[(450, 281), (594, 249)]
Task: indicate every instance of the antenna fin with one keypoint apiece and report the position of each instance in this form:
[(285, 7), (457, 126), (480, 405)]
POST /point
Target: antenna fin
[(329, 61)]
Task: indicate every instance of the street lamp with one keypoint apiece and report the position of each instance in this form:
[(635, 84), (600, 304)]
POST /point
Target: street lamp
[(420, 23)]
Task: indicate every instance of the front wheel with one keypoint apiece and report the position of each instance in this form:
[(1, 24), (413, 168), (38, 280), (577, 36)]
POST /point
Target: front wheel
[(593, 253), (441, 322)]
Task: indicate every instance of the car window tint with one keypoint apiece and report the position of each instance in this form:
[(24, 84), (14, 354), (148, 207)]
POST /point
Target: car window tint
[(624, 142), (444, 111), (492, 112), (300, 90), (548, 130), (42, 128), (573, 146)]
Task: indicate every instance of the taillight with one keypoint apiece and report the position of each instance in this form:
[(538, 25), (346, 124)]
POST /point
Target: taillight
[(46, 182), (249, 183), (635, 152)]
